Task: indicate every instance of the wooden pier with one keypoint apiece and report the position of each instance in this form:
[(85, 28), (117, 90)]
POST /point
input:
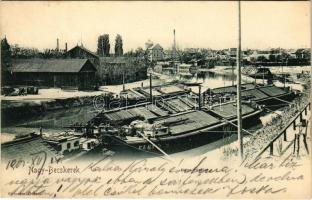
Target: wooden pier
[(286, 133)]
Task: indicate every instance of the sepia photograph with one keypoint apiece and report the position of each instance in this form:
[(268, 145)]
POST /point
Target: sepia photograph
[(156, 99)]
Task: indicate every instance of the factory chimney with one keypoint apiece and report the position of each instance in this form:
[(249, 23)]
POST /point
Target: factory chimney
[(174, 40), (57, 44), (174, 48), (65, 47)]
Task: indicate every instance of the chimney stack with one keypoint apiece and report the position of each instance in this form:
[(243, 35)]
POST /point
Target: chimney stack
[(65, 47), (57, 45), (173, 55), (174, 40)]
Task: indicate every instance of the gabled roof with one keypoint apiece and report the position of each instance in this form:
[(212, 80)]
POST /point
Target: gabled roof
[(84, 49), (157, 46), (49, 65)]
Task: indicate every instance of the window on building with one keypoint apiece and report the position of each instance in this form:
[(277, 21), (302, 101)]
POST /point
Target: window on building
[(76, 144), (68, 145)]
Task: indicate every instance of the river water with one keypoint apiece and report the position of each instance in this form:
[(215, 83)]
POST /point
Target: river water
[(54, 121)]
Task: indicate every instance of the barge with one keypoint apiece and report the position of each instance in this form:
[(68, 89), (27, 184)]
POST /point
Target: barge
[(182, 121), (179, 131)]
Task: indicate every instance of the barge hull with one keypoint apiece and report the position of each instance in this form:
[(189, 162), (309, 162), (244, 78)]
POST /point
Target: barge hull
[(181, 142)]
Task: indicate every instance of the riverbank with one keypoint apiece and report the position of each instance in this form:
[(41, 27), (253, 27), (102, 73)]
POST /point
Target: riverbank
[(14, 108), (22, 109), (57, 93)]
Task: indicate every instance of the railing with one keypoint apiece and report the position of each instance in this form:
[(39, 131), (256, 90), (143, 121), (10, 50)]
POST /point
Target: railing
[(284, 130)]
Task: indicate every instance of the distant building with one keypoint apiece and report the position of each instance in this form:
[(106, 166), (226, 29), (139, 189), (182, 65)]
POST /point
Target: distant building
[(257, 54), (155, 53), (110, 70), (191, 51), (63, 73), (303, 54), (82, 52), (232, 52)]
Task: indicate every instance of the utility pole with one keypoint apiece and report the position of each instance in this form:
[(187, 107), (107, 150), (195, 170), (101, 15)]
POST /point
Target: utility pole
[(263, 76), (199, 97), (233, 63), (123, 82), (173, 55), (239, 101), (310, 63), (151, 94), (283, 71), (285, 74)]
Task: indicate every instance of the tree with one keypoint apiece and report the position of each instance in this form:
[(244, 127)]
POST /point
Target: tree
[(5, 53), (129, 53), (261, 59), (51, 53), (139, 52), (272, 58), (103, 45), (118, 46), (5, 60)]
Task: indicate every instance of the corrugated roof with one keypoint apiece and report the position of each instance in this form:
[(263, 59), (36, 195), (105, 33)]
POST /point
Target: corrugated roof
[(232, 89), (24, 147), (272, 91), (177, 105), (189, 121), (156, 110), (154, 92), (228, 89), (129, 114), (256, 94), (48, 65), (229, 110), (170, 89)]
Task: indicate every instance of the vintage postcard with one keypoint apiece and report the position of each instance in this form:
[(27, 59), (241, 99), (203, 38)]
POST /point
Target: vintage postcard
[(155, 99)]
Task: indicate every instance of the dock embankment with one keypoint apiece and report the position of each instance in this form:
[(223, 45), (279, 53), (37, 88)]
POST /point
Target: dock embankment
[(18, 109)]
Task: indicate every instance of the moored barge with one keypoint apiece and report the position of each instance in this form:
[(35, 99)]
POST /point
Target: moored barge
[(178, 122)]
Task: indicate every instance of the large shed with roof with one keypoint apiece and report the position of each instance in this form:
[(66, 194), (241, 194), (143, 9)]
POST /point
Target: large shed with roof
[(63, 73)]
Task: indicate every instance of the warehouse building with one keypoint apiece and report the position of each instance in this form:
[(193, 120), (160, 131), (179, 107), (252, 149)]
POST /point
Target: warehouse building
[(61, 73)]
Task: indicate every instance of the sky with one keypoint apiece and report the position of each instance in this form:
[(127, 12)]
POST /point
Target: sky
[(197, 24)]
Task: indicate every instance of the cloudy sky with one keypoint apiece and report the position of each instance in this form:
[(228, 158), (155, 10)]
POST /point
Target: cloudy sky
[(197, 24)]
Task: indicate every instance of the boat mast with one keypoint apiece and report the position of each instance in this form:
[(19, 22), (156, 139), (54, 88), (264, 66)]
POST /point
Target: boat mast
[(233, 63), (239, 101), (123, 81), (174, 52), (285, 74), (199, 97), (151, 94)]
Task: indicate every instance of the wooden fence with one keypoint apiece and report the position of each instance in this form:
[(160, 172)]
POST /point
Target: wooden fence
[(283, 132)]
